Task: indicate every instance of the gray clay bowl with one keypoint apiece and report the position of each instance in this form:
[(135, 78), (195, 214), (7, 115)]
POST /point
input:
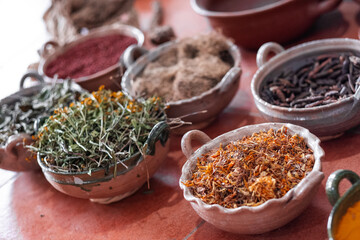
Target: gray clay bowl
[(200, 110), (268, 216), (328, 121), (13, 155)]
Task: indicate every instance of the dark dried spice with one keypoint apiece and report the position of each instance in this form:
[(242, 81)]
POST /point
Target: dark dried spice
[(314, 83)]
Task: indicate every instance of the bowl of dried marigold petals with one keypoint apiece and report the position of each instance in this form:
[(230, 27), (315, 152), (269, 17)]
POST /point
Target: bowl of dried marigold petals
[(253, 179)]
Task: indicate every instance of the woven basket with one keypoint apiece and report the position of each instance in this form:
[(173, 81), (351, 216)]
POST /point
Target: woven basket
[(66, 19)]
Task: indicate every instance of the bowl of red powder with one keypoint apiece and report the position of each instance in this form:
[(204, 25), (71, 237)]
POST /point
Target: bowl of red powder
[(91, 60)]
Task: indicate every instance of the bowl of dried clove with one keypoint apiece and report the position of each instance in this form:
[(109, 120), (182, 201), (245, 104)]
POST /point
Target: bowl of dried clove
[(23, 112), (314, 85), (196, 76), (104, 146), (253, 179)]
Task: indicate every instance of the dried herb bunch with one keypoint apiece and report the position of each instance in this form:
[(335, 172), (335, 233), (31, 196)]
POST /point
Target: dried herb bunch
[(21, 116), (250, 171), (101, 129), (317, 81)]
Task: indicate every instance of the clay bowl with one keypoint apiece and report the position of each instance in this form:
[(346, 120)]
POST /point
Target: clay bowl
[(327, 121), (200, 110), (268, 216), (13, 155), (103, 186), (341, 204), (109, 77), (247, 22)]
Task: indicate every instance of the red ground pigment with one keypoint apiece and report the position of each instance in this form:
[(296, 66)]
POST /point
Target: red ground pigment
[(89, 57)]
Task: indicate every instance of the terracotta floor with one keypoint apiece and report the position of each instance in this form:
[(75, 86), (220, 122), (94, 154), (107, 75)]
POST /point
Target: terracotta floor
[(31, 209)]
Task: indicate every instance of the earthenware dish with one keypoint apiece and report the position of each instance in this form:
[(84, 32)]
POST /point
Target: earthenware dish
[(268, 216), (200, 110), (328, 121), (104, 186), (341, 204), (247, 22), (109, 77), (13, 155)]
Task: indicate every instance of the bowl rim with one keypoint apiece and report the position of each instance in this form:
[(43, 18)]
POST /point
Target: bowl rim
[(222, 14), (120, 29), (284, 57), (314, 173), (48, 169), (144, 60)]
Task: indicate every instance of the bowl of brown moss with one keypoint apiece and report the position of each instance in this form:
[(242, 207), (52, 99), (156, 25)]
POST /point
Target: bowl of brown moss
[(103, 147), (253, 179), (197, 76)]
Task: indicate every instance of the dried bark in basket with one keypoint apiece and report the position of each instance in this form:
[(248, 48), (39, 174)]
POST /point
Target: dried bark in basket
[(65, 19)]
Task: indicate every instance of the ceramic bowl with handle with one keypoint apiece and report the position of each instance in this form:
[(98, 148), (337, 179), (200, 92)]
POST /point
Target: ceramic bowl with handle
[(199, 110), (268, 216), (254, 22), (343, 203), (117, 182), (326, 121), (110, 77), (13, 154)]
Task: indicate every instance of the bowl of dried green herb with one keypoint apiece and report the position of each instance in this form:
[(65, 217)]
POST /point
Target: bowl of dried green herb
[(21, 114), (197, 76), (315, 85), (103, 147), (253, 179)]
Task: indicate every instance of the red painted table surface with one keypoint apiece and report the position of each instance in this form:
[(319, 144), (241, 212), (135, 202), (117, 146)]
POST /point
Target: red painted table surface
[(32, 209)]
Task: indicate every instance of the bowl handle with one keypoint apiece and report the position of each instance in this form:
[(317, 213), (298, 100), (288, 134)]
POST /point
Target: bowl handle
[(233, 73), (326, 6), (15, 157), (262, 55), (159, 132), (332, 184), (13, 142), (186, 140), (47, 49), (33, 74), (132, 53)]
